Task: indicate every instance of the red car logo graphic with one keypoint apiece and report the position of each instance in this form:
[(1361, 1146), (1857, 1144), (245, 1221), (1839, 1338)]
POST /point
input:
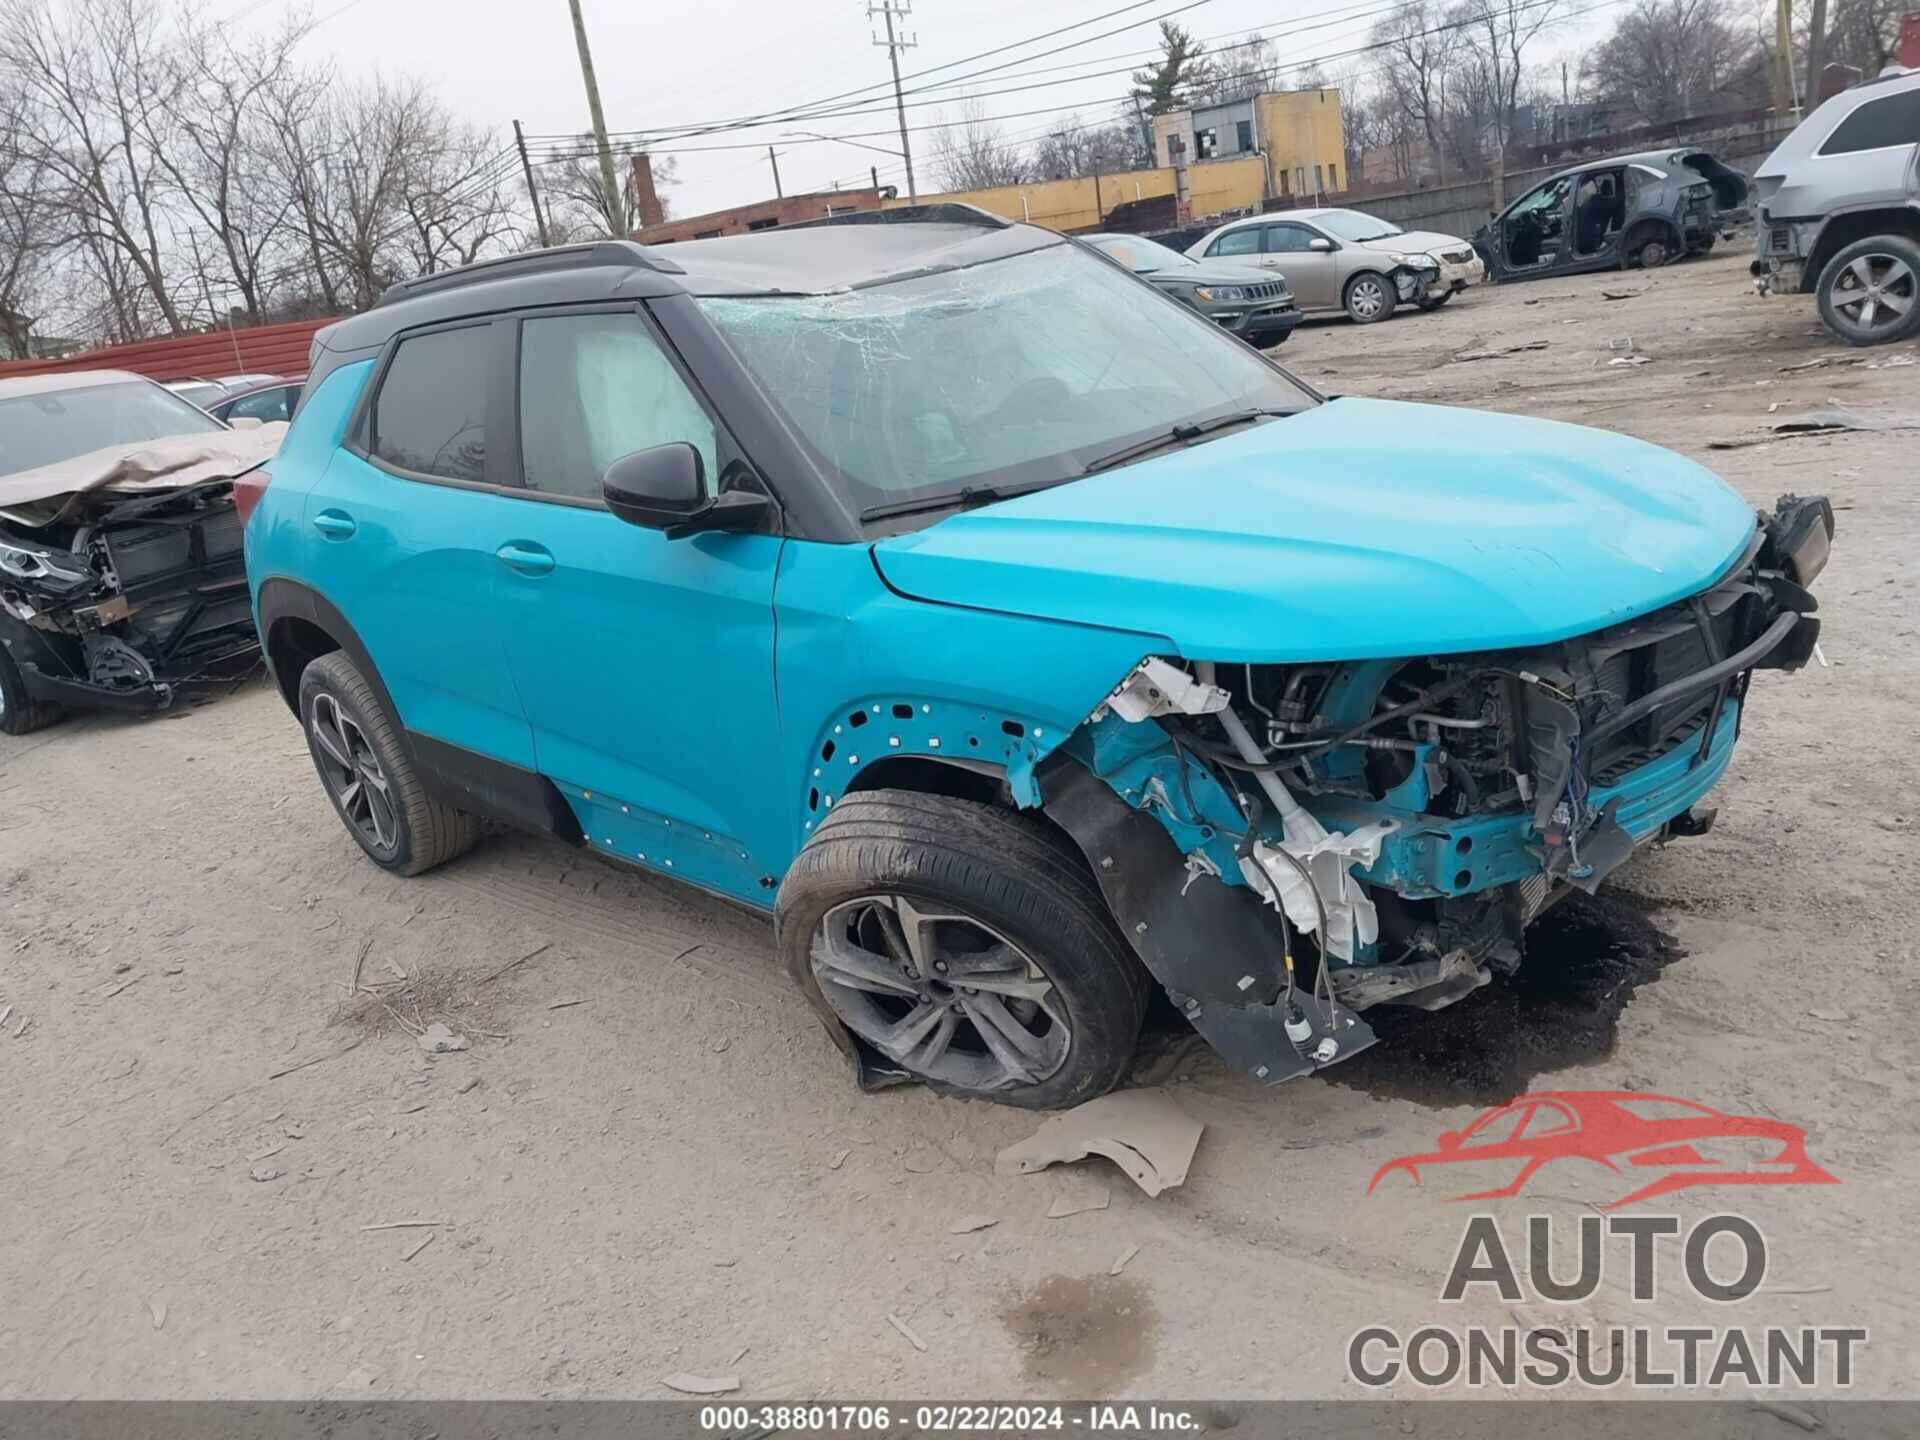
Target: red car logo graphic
[(1627, 1131)]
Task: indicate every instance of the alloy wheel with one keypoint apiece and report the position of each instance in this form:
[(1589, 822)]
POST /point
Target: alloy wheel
[(353, 775), (940, 993), (1875, 292)]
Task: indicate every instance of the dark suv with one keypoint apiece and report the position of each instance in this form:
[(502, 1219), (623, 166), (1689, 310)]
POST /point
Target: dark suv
[(1015, 637)]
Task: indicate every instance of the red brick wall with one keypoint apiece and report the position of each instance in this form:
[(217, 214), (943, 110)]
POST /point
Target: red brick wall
[(741, 218), (258, 350)]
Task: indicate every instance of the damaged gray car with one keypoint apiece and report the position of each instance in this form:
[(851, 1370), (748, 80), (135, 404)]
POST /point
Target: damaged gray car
[(122, 584)]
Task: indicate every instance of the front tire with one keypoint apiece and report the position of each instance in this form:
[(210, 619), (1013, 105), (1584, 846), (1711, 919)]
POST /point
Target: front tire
[(1434, 302), (1869, 293), (20, 715), (369, 776), (968, 945), (1369, 298)]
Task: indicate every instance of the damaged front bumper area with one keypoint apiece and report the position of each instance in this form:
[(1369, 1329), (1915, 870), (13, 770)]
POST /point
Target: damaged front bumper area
[(1286, 845), (123, 604)]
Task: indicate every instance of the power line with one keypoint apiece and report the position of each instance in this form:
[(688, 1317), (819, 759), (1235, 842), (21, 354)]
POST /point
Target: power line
[(1307, 63), (812, 109), (1366, 9)]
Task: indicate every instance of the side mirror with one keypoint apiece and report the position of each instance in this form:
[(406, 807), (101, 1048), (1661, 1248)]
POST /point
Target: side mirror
[(1322, 244), (1450, 1141), (664, 488)]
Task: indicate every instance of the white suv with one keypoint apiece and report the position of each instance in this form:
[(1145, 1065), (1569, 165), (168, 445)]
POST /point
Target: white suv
[(1839, 206)]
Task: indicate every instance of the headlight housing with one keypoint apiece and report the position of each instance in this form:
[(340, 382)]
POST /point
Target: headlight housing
[(56, 570), (1212, 293)]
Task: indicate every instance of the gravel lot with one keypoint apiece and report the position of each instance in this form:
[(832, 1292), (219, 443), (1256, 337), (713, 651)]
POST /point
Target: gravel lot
[(676, 1172)]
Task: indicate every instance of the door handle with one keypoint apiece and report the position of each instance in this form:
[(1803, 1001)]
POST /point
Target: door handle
[(334, 524), (525, 558)]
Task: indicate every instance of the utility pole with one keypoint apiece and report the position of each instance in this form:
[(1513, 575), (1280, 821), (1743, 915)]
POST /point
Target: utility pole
[(895, 43), (533, 191), (774, 160), (616, 204), (1816, 51), (1783, 58), (874, 171)]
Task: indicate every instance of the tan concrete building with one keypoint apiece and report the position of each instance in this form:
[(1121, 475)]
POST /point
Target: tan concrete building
[(1082, 203), (1299, 135)]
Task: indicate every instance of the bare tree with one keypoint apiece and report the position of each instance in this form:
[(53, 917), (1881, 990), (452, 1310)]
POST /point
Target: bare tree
[(972, 154), (27, 229), (1667, 58), (576, 195), (1496, 35), (1235, 72), (221, 159), (1864, 33), (1416, 53), (101, 94), (1077, 148)]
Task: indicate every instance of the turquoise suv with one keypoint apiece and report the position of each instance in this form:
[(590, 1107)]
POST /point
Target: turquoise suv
[(1015, 637)]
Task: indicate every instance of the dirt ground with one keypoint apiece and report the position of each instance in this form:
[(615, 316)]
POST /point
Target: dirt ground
[(651, 1160)]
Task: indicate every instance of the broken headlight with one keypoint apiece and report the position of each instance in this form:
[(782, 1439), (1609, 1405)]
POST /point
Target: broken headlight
[(1802, 536), (43, 568)]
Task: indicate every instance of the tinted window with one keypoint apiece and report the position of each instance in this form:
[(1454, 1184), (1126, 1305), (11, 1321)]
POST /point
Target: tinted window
[(431, 413), (1893, 120), (1289, 239), (274, 404), (594, 388), (1244, 241)]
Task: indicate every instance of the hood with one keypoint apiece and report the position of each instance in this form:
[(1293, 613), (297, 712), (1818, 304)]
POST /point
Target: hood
[(1421, 242), (1216, 272), (1358, 529), (37, 497)]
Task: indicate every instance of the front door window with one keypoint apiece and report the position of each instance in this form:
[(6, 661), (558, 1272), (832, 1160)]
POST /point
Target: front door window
[(1534, 230), (592, 389)]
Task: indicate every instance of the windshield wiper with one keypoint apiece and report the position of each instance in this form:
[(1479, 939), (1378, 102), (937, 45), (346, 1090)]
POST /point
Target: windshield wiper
[(1180, 435), (964, 496)]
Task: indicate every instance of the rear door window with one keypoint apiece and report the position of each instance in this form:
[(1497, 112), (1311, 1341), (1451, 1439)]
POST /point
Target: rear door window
[(1244, 241), (1290, 239), (1878, 125), (430, 417)]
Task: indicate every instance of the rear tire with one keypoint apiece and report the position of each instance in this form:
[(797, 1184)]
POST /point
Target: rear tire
[(1649, 248), (1892, 264), (18, 714), (995, 873), (369, 776)]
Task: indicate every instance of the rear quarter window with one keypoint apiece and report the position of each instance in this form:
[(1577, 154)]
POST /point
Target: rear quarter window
[(430, 416), (1877, 125)]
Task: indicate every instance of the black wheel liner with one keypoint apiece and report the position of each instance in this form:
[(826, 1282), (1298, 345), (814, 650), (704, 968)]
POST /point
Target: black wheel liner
[(1201, 944)]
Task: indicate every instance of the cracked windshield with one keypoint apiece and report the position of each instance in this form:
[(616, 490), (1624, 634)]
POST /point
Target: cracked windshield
[(1017, 373)]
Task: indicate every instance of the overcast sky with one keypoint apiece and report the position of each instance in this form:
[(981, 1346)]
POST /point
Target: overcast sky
[(680, 65)]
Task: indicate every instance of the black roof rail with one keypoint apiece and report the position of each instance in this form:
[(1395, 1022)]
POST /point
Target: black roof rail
[(592, 253), (942, 213)]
